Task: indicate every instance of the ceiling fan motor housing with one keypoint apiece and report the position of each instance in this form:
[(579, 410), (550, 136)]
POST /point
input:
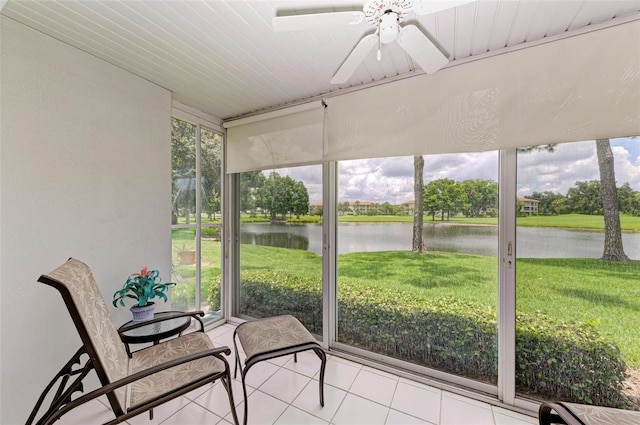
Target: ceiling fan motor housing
[(375, 10), (389, 27)]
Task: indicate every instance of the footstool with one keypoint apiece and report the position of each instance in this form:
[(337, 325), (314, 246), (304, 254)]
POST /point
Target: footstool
[(265, 339)]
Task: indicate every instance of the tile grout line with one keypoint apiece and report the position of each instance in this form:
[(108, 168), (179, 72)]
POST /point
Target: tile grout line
[(440, 410), (395, 389)]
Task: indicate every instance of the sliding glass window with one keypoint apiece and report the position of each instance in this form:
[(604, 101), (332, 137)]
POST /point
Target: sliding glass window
[(281, 244), (196, 218), (427, 297), (578, 297)]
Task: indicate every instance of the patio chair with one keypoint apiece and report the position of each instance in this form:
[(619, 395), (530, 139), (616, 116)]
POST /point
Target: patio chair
[(583, 414), (151, 377)]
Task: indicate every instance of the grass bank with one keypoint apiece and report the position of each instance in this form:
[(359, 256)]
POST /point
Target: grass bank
[(579, 221), (569, 221), (604, 294)]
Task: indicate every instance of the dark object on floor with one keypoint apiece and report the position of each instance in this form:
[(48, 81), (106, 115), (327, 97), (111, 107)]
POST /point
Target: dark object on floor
[(584, 414)]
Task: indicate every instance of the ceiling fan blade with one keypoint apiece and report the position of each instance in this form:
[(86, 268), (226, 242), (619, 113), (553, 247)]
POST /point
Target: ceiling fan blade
[(425, 7), (355, 58), (421, 49), (317, 20)]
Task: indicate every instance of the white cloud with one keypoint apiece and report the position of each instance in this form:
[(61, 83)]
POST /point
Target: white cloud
[(627, 168), (391, 179), (571, 162)]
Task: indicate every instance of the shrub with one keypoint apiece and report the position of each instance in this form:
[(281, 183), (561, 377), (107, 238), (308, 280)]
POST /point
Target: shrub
[(570, 361), (183, 295), (211, 232), (272, 293)]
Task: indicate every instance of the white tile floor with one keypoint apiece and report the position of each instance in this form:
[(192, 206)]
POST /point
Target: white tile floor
[(284, 392)]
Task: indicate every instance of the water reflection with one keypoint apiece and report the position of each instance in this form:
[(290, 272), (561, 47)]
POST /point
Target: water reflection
[(277, 239), (533, 242)]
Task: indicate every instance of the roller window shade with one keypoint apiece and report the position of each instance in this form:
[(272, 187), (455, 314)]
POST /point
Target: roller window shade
[(578, 88), (288, 137)]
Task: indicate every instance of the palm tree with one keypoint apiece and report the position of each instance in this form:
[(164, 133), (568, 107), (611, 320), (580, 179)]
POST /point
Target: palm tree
[(613, 250), (418, 187)]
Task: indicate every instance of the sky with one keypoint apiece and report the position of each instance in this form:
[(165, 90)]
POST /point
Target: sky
[(391, 179)]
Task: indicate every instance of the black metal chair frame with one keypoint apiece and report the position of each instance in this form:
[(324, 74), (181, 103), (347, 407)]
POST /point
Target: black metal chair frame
[(562, 415), (63, 400)]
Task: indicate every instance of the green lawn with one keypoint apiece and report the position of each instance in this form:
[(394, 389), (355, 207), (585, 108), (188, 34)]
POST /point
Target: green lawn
[(592, 222), (571, 221), (606, 294)]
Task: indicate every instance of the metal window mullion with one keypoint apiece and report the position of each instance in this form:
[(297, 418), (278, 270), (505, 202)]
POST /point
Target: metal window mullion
[(198, 191), (329, 254), (507, 276), (232, 240), (224, 216)]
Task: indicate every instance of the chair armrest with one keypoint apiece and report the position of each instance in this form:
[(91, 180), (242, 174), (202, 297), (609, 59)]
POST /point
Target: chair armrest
[(562, 416), (216, 352), (175, 315)]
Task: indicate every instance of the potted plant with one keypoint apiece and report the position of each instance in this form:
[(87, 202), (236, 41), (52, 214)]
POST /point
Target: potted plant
[(186, 254), (142, 287)]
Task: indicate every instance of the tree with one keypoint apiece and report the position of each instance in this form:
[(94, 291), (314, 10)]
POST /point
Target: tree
[(356, 208), (418, 209), (585, 198), (446, 196), (628, 200), (613, 250), (251, 184), (344, 208), (387, 209), (211, 153), (300, 199), (482, 196), (183, 169), (559, 206), (282, 195), (547, 200)]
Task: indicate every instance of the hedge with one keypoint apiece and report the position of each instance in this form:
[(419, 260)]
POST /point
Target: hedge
[(555, 360)]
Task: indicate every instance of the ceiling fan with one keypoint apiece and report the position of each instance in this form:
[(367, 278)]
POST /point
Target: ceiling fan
[(386, 16)]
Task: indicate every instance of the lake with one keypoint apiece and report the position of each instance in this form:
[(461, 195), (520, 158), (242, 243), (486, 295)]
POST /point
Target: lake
[(533, 242)]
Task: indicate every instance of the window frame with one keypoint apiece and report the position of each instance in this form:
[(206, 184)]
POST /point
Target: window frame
[(203, 122)]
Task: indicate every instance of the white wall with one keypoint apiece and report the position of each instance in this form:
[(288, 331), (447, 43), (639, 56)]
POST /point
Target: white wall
[(85, 164)]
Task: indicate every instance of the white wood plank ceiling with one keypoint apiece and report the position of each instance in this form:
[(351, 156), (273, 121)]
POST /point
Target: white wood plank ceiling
[(223, 58)]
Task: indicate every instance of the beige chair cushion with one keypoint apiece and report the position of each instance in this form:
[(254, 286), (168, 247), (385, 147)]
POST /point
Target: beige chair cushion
[(79, 280), (272, 334), (597, 415), (176, 377)]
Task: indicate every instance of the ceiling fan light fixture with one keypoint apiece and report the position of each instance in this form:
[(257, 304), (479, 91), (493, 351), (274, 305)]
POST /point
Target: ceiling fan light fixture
[(389, 27)]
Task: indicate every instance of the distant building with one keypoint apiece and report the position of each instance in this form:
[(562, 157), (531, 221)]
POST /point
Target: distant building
[(315, 207), (360, 207), (408, 207), (529, 206)]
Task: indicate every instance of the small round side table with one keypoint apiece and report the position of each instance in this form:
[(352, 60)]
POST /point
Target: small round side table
[(154, 331)]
